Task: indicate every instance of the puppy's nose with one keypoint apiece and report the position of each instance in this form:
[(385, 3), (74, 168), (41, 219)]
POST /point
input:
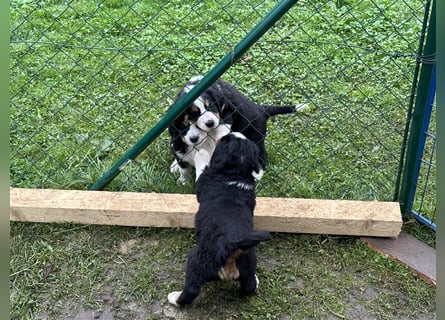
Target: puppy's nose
[(194, 139), (210, 124)]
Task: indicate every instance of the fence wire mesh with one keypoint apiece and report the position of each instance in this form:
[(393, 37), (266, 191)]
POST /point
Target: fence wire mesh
[(89, 78)]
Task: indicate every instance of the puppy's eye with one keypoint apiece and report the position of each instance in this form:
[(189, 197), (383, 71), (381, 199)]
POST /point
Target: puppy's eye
[(186, 123), (184, 129)]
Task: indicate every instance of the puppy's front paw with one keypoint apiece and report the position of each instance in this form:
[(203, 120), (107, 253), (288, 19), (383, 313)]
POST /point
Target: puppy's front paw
[(183, 173), (258, 175), (228, 273), (182, 180), (174, 167), (173, 297)]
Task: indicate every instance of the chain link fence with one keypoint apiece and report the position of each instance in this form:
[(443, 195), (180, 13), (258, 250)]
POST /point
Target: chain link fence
[(89, 78)]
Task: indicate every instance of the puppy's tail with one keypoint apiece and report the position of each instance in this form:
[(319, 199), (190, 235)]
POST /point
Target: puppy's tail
[(252, 239), (274, 110), (236, 248)]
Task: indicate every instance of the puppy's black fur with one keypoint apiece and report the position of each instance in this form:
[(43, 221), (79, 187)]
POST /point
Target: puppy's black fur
[(244, 115), (226, 241), (232, 108)]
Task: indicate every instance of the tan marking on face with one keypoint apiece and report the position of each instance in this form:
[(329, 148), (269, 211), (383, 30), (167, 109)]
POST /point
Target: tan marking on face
[(186, 121), (195, 109)]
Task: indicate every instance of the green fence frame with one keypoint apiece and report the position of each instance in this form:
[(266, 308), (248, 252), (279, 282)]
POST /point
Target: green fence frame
[(415, 125)]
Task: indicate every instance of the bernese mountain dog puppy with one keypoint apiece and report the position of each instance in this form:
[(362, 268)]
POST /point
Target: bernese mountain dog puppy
[(220, 105), (224, 232), (193, 147), (199, 127)]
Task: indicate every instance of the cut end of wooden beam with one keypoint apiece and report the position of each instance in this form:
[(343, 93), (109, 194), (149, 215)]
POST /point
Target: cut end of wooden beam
[(339, 217)]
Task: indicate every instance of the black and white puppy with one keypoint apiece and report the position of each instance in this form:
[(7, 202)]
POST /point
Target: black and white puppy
[(199, 127), (195, 148), (223, 104), (224, 232)]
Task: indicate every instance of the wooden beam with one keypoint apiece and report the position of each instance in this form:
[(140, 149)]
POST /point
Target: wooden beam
[(341, 217)]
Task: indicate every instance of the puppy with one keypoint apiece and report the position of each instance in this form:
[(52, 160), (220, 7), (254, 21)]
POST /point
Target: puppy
[(244, 115), (226, 241), (220, 104), (199, 127), (188, 142)]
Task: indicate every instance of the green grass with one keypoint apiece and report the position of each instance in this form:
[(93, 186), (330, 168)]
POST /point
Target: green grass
[(56, 267), (89, 78)]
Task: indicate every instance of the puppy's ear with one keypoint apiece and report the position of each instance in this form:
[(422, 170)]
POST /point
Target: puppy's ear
[(224, 158), (174, 134), (253, 157), (220, 156), (176, 143), (226, 113)]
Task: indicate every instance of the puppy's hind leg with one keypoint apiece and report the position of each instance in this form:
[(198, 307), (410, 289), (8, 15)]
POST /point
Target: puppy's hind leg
[(194, 279), (173, 298), (248, 285), (248, 279), (181, 298)]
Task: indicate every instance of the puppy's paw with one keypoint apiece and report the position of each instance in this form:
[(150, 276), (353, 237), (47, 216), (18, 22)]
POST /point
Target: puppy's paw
[(182, 180), (258, 175), (173, 298), (257, 281), (184, 173), (174, 167), (228, 273)]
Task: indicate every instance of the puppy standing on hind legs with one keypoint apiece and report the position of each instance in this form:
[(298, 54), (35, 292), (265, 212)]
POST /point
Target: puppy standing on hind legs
[(224, 232)]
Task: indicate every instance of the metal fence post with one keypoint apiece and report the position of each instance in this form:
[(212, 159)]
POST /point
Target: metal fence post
[(409, 112), (420, 113)]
